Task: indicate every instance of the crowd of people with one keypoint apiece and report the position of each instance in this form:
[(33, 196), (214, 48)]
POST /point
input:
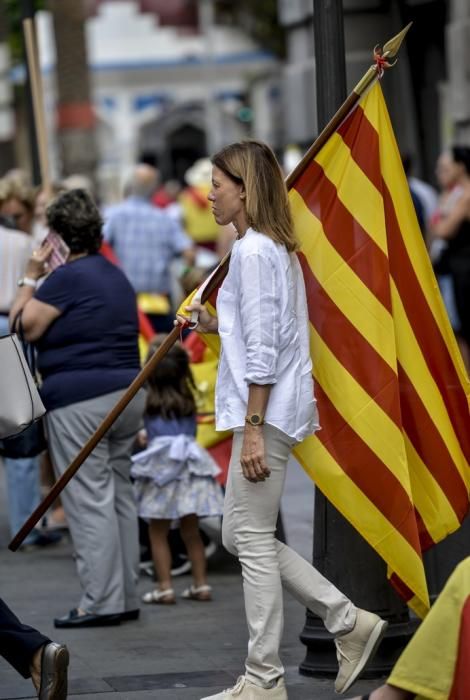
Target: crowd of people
[(444, 219), (149, 473)]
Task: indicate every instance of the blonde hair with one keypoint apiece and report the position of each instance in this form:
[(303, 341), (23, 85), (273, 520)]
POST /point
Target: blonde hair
[(254, 165), (11, 188)]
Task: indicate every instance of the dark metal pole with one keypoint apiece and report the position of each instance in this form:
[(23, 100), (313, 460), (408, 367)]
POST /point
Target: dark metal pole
[(339, 552), (330, 58), (28, 12)]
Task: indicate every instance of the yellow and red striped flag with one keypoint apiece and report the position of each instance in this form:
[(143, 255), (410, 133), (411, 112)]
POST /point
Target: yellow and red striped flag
[(393, 451)]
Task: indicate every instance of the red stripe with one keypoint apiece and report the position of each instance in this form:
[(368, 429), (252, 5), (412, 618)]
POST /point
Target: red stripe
[(424, 326), (350, 347), (344, 233), (367, 471), (425, 539), (401, 588), (430, 445), (213, 297), (461, 683), (363, 141)]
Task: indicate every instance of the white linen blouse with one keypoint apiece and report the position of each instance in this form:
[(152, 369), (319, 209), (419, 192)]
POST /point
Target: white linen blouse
[(263, 328)]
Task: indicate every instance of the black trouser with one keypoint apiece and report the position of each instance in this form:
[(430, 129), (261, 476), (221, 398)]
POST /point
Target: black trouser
[(18, 642)]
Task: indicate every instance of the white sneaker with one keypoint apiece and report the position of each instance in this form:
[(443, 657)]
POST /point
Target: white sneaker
[(245, 690), (354, 649)]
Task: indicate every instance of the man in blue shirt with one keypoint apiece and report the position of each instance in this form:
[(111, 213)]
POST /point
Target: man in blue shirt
[(145, 239)]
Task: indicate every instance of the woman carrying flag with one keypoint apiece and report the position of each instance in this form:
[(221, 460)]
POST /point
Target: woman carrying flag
[(265, 395)]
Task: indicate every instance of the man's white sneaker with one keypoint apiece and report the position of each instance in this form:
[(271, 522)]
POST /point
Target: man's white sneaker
[(354, 649), (245, 690)]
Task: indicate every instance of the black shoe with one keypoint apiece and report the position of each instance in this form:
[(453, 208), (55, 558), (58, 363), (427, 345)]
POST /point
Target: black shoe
[(74, 619), (54, 663), (129, 615)]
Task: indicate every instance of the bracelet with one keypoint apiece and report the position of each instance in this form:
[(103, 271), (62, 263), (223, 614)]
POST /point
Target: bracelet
[(27, 282)]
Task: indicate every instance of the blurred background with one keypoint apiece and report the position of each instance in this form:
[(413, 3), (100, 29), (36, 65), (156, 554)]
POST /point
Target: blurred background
[(171, 82)]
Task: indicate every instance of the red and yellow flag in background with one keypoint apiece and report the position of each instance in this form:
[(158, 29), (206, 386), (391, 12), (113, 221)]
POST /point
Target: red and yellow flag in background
[(393, 451)]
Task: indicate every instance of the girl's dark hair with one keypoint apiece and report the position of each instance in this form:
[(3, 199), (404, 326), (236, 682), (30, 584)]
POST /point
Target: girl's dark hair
[(171, 385), (75, 217), (461, 154)]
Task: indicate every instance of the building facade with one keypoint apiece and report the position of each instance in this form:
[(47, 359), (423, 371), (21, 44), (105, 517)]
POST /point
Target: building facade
[(167, 91)]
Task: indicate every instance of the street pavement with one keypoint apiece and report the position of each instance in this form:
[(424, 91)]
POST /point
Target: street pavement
[(182, 652)]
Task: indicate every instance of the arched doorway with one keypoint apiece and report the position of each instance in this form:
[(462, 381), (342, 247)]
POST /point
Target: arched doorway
[(175, 140), (184, 145)]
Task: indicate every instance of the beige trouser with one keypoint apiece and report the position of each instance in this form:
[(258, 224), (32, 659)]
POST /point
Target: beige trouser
[(249, 524)]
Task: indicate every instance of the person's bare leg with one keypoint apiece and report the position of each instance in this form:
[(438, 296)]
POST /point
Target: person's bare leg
[(161, 553), (189, 528)]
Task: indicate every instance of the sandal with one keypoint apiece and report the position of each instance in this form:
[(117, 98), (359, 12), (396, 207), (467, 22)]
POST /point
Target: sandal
[(201, 593), (166, 597)]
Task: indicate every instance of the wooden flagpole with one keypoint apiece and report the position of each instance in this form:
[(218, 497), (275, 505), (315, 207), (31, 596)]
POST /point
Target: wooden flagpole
[(32, 55), (390, 49)]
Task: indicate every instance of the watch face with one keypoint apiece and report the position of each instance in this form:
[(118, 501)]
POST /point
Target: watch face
[(255, 419)]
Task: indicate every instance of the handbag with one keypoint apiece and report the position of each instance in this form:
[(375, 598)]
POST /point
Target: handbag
[(21, 410)]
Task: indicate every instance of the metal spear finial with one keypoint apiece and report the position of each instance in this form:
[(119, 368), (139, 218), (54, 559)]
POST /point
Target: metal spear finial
[(391, 48)]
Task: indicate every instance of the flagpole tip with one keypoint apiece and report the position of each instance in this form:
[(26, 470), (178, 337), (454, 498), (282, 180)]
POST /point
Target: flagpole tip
[(391, 48)]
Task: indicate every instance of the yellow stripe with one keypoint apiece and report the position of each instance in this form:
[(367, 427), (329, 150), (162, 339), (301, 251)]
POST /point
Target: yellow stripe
[(376, 111), (355, 190), (360, 306), (418, 607), (430, 500), (360, 411), (411, 358), (212, 340), (364, 516)]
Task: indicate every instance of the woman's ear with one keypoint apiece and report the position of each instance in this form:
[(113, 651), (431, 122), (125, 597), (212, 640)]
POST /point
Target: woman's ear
[(242, 193)]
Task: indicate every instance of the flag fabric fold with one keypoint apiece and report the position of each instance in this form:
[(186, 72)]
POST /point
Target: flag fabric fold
[(393, 451), (449, 623)]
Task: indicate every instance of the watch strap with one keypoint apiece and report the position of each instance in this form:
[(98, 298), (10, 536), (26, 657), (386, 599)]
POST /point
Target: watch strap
[(27, 282)]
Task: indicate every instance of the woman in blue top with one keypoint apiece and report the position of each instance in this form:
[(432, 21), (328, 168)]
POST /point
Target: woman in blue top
[(83, 321), (265, 394)]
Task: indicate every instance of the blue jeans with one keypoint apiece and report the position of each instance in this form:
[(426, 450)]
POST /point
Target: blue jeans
[(23, 490)]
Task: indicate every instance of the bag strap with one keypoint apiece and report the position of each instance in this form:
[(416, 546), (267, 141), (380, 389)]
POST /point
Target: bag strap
[(28, 348)]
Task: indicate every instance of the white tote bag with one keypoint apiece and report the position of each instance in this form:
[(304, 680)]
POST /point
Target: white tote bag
[(20, 403)]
